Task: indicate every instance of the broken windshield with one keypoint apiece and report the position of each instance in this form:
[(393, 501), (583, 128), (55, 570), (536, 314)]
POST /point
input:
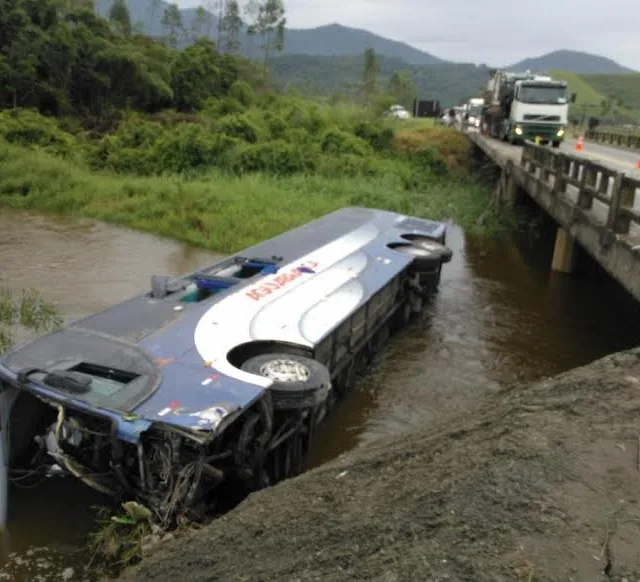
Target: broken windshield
[(101, 387), (97, 369), (542, 94)]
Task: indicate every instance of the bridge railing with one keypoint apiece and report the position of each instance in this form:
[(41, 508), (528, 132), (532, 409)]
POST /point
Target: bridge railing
[(621, 138), (588, 184)]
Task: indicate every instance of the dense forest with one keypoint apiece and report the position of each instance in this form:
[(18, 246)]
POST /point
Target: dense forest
[(62, 58)]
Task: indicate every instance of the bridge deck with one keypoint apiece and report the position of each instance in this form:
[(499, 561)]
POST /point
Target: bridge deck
[(622, 159), (594, 197)]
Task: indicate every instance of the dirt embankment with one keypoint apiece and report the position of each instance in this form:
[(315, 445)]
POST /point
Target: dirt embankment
[(539, 483)]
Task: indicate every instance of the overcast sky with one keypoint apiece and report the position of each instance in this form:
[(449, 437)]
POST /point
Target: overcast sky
[(495, 32)]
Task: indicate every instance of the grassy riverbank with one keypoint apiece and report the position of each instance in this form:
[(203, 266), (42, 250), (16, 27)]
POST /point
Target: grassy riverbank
[(197, 144), (226, 211)]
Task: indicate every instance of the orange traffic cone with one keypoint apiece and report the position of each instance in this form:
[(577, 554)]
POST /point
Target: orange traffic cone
[(638, 162), (579, 144)]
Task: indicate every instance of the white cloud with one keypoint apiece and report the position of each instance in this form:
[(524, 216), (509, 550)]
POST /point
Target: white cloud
[(496, 32)]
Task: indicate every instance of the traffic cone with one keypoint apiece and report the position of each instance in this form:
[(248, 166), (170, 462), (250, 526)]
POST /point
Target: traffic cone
[(638, 162), (579, 144)]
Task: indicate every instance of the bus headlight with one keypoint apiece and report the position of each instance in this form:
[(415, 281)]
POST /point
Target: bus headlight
[(518, 131), (560, 132)]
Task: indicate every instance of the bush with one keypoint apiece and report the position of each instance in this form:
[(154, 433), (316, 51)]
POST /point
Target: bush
[(214, 108), (242, 92), (334, 141), (239, 126), (380, 138), (127, 150), (430, 159), (187, 148), (243, 133), (26, 127)]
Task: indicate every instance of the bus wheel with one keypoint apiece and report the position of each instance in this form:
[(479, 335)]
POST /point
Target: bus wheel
[(298, 382)]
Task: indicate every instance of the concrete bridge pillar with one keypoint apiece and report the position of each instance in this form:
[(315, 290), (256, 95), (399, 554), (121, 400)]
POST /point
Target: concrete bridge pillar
[(563, 252)]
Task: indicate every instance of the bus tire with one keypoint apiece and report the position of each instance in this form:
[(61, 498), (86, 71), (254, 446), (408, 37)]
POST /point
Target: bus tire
[(427, 254), (298, 382), (433, 246)]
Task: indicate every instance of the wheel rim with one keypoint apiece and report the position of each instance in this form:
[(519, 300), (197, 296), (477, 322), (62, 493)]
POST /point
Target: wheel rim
[(423, 242), (285, 371), (416, 251), (427, 245)]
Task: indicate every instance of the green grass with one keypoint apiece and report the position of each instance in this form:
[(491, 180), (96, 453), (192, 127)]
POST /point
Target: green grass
[(626, 87), (218, 211), (586, 94)]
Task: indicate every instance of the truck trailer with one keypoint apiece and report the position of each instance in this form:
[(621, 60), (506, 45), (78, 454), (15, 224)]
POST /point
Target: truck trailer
[(526, 106)]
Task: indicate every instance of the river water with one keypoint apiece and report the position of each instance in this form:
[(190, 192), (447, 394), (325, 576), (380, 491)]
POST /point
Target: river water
[(500, 316)]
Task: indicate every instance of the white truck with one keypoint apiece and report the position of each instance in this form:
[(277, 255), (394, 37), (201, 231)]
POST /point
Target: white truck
[(526, 106)]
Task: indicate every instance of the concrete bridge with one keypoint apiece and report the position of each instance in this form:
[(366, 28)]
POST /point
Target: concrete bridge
[(593, 195)]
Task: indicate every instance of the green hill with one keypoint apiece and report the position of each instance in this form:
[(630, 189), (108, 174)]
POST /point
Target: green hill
[(626, 88), (586, 94), (607, 104)]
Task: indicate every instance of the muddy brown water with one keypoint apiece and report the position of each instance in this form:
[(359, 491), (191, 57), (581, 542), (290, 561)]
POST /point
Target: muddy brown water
[(500, 316)]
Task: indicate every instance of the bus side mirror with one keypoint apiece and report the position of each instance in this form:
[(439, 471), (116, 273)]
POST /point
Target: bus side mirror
[(573, 98)]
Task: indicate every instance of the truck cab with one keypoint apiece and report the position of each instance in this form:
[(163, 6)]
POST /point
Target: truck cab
[(526, 106), (538, 111)]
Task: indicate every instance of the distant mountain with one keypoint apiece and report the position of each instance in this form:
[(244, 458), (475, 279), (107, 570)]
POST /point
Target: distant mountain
[(329, 40), (338, 40), (572, 61), (329, 59), (324, 75)]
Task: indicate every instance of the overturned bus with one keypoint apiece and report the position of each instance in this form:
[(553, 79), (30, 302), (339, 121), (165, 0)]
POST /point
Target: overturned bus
[(214, 382)]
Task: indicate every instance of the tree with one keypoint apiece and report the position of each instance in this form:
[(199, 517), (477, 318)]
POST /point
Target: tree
[(153, 9), (119, 15), (269, 25), (196, 75), (402, 88), (200, 23), (210, 6), (31, 311), (172, 24), (231, 25), (370, 75)]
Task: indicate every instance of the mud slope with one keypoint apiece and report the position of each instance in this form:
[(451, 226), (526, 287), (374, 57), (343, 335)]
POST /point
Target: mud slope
[(540, 483)]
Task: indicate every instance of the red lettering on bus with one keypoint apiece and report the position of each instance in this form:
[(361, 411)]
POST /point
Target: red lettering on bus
[(279, 281)]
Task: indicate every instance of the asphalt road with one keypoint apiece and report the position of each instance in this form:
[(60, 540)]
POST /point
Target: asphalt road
[(624, 160)]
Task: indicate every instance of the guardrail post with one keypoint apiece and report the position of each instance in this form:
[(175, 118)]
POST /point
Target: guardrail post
[(526, 157), (626, 196), (587, 177), (559, 182), (614, 206)]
